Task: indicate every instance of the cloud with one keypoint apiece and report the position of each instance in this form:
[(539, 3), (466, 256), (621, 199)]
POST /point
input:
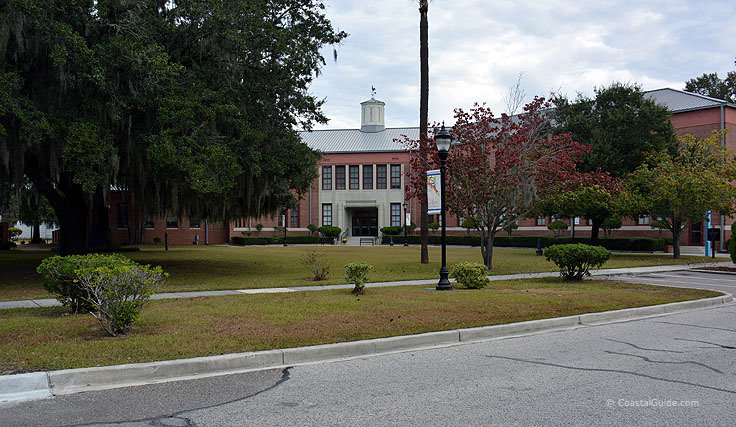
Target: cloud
[(478, 47)]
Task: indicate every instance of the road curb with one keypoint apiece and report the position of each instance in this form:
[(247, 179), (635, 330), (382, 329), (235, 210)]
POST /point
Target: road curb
[(39, 385)]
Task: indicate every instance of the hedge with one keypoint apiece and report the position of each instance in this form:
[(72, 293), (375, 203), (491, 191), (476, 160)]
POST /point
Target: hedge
[(638, 244), (277, 240)]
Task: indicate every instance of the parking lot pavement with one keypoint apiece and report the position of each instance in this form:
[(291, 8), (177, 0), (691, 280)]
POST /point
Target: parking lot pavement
[(700, 279)]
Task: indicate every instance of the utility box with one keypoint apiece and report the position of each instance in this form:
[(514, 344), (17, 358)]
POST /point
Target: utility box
[(4, 234), (714, 234)]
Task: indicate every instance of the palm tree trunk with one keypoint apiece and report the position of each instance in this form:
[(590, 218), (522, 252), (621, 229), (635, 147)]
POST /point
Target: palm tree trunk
[(423, 114)]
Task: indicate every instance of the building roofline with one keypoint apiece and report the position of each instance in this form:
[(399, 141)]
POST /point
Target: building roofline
[(720, 102)]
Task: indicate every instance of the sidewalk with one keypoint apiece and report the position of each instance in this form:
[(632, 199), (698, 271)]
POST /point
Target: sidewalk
[(50, 302)]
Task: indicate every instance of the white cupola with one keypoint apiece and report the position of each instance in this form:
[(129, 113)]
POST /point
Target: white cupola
[(372, 119)]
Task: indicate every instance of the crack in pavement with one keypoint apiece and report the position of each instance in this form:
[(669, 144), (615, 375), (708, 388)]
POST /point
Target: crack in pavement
[(696, 326), (642, 348), (727, 347), (157, 421), (612, 371), (646, 359)]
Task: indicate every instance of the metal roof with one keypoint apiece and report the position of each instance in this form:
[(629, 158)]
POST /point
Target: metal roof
[(679, 101), (356, 141)]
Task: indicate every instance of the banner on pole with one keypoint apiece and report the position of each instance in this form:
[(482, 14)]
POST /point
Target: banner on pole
[(434, 195)]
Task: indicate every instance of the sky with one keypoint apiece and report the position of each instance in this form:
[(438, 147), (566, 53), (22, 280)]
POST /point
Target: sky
[(478, 48)]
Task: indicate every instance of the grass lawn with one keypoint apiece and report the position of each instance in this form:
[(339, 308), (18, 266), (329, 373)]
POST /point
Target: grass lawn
[(219, 267), (49, 339)]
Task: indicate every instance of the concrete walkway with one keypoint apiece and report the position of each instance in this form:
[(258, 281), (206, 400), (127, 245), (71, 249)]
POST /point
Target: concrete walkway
[(50, 302)]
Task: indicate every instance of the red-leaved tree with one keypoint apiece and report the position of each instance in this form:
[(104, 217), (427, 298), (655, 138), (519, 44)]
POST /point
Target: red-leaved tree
[(502, 166)]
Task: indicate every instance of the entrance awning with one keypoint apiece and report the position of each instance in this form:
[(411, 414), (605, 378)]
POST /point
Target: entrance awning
[(361, 204)]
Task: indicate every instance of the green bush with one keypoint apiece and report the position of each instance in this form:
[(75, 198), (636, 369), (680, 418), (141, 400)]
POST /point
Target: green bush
[(558, 227), (392, 231), (610, 224), (156, 240), (6, 245), (60, 278), (312, 228), (117, 288), (509, 228), (471, 275), (468, 224), (434, 226), (14, 233), (732, 243), (317, 263), (357, 273), (110, 286), (242, 240), (575, 260), (330, 231)]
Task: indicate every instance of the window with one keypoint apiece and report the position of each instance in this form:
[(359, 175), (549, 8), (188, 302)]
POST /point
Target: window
[(122, 215), (327, 177), (367, 177), (541, 220), (381, 177), (339, 177), (395, 214), (327, 214), (193, 222), (148, 223), (172, 222), (294, 218), (395, 176), (577, 220), (355, 177), (643, 220)]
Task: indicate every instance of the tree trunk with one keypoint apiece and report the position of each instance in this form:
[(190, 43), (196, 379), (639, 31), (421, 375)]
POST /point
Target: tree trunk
[(488, 253), (595, 230), (36, 232), (676, 231), (423, 114), (98, 237)]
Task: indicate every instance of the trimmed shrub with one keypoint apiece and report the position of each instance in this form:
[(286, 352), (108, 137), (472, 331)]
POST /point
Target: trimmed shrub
[(330, 231), (610, 224), (471, 275), (732, 243), (509, 228), (117, 288), (558, 227), (312, 228), (316, 262), (6, 245), (14, 233), (468, 224), (357, 274), (259, 228), (60, 278), (109, 286), (575, 260), (156, 240), (242, 241), (392, 231), (434, 226)]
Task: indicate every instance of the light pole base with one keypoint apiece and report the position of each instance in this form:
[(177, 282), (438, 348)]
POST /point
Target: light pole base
[(444, 283)]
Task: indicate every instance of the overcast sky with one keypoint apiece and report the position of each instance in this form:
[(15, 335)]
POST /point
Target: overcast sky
[(477, 48)]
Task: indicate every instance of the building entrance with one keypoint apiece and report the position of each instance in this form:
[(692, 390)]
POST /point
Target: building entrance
[(365, 222)]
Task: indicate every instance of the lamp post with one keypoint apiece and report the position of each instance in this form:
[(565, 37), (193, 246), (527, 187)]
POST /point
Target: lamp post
[(406, 239), (443, 140)]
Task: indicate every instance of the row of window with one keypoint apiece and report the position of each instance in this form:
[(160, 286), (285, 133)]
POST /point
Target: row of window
[(395, 214), (171, 221), (354, 180), (642, 220)]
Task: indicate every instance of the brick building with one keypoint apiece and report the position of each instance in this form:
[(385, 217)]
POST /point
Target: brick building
[(362, 176)]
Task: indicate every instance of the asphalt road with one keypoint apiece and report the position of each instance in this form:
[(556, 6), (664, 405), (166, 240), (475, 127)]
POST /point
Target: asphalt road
[(677, 369), (701, 279)]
